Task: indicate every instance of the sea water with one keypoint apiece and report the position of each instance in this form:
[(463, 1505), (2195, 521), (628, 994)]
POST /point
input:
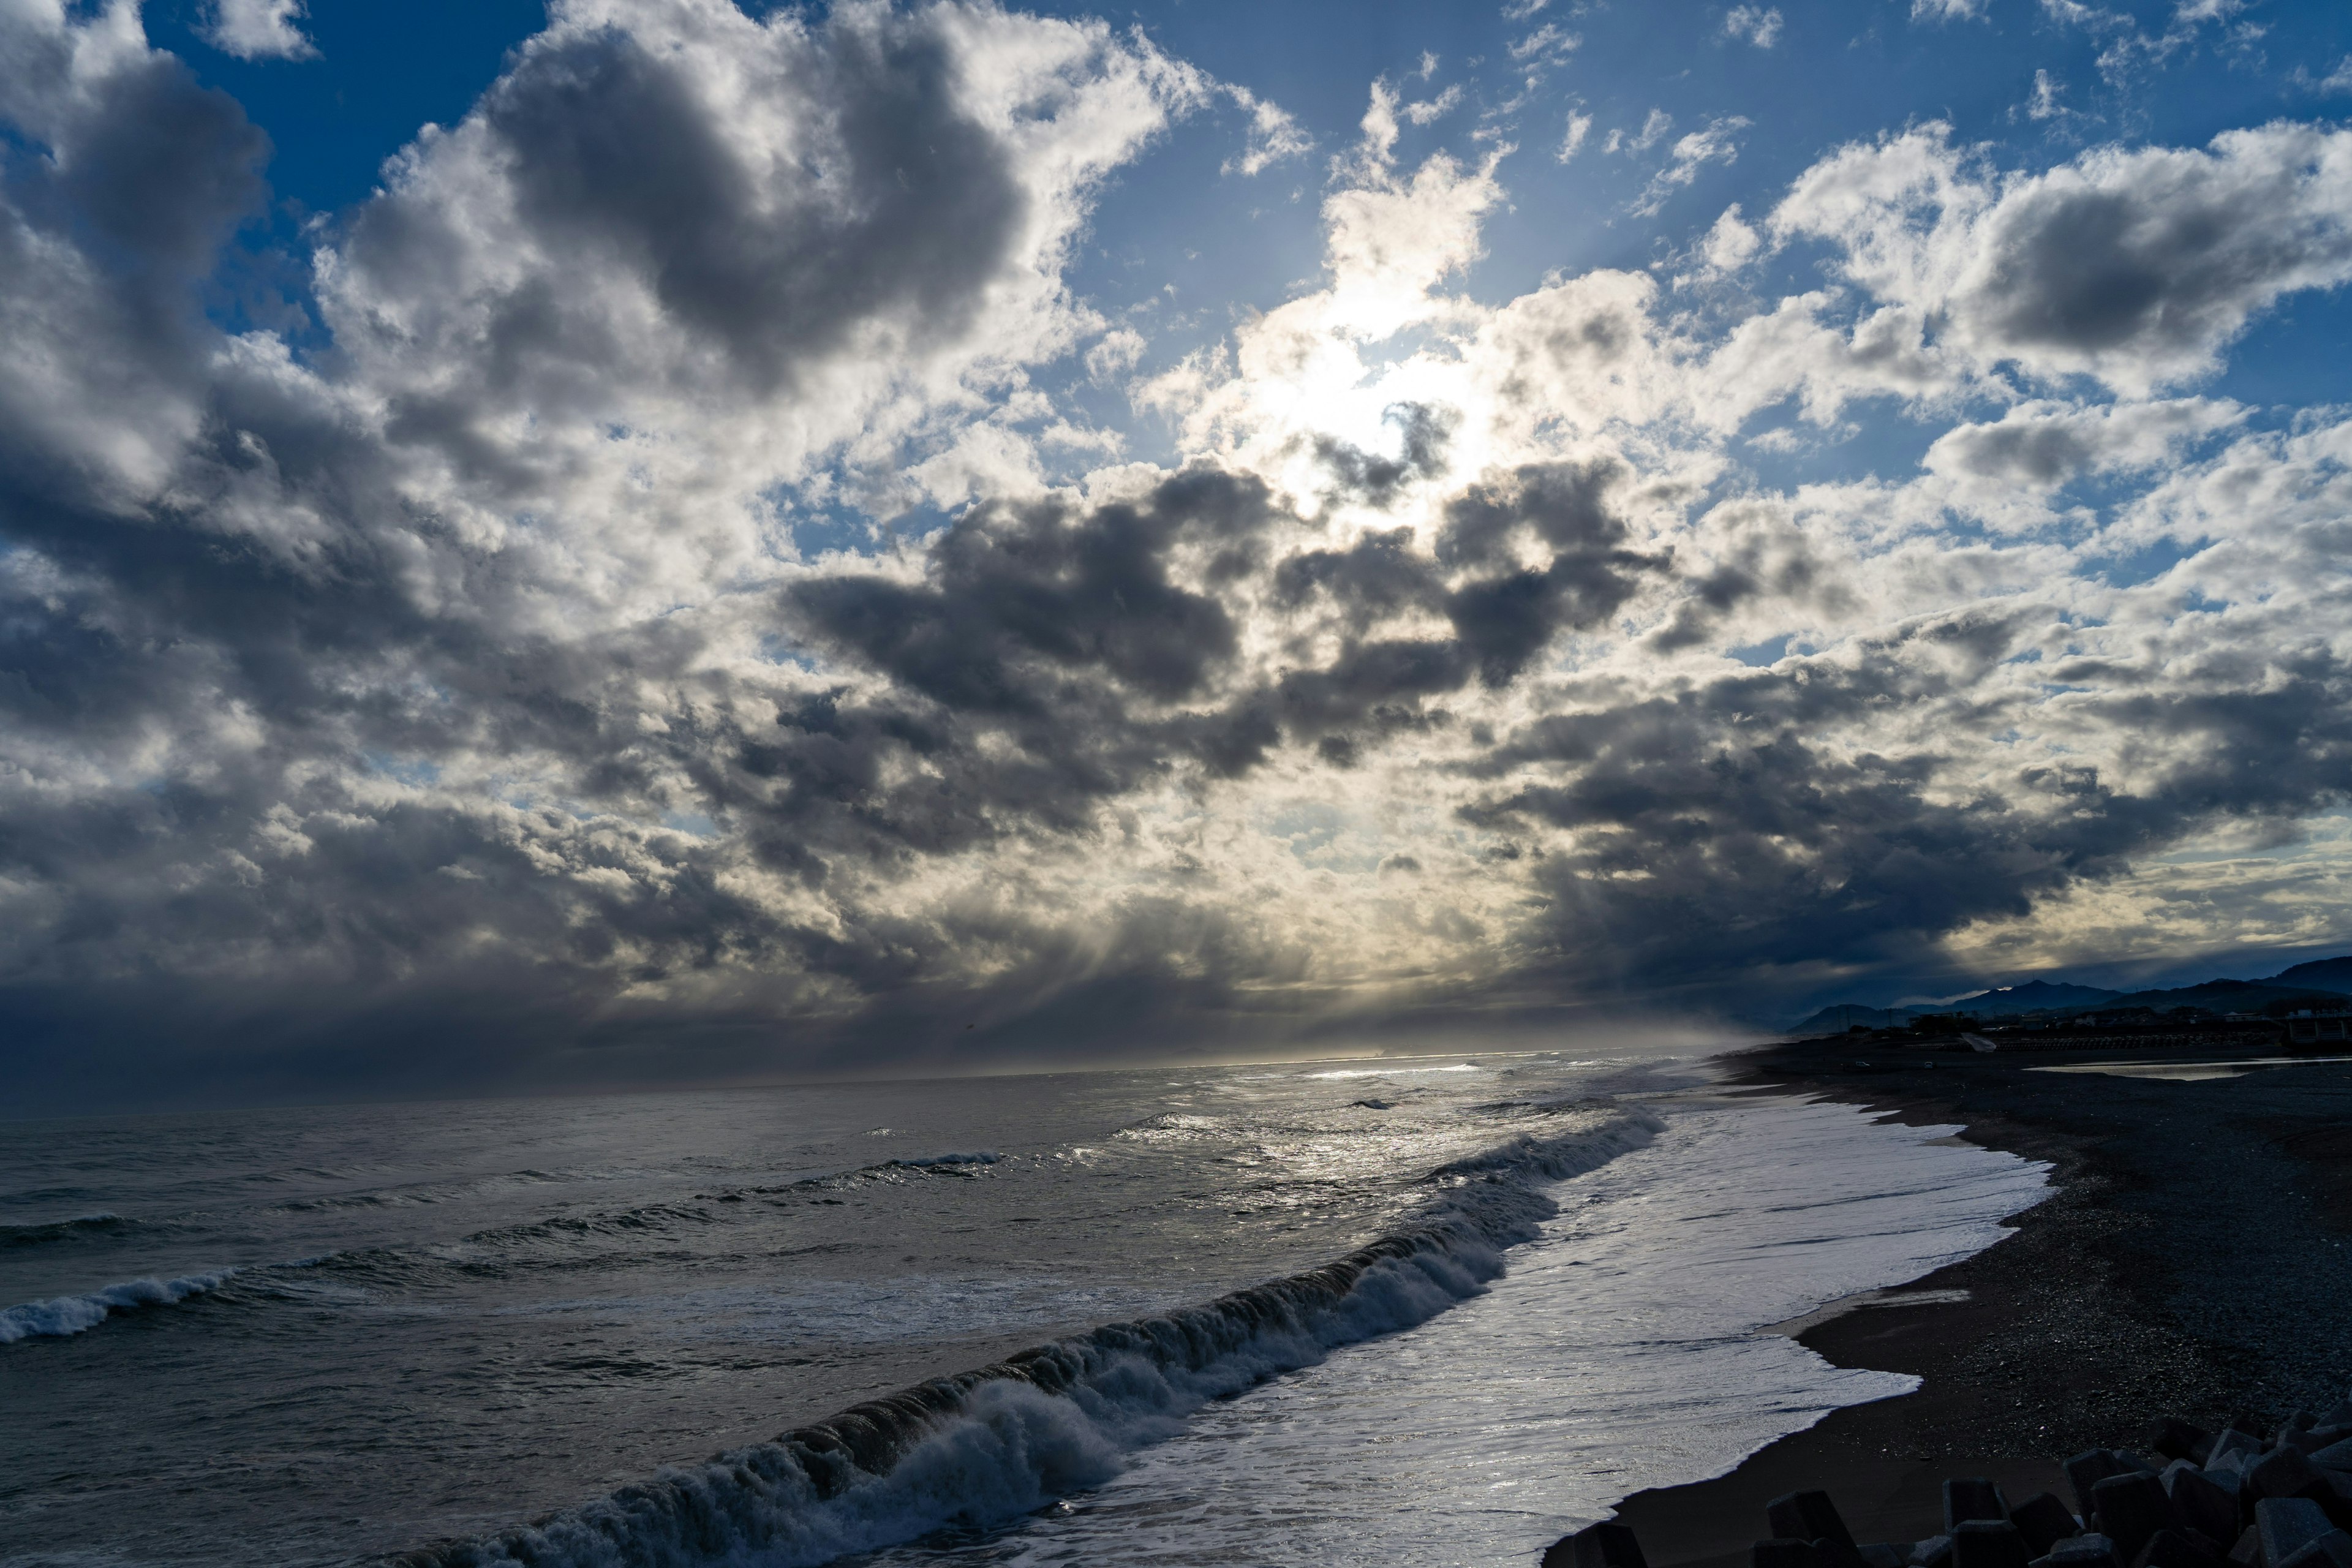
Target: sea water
[(1427, 1311)]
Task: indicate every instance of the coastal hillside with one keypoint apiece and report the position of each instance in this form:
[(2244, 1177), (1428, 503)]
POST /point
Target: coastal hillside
[(2320, 984)]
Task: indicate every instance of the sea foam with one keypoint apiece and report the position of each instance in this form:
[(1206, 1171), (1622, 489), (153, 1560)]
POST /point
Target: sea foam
[(64, 1315), (995, 1443)]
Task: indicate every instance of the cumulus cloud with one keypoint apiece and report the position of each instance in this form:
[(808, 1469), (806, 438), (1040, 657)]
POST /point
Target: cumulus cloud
[(2003, 471), (259, 29), (2135, 267), (529, 670), (1730, 245)]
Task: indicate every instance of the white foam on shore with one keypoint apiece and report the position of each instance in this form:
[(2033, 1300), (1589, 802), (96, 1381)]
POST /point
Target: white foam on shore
[(1629, 1347), (1002, 1441)]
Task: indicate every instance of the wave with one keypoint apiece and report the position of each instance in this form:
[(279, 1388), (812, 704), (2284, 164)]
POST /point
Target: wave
[(64, 1315), (409, 1195), (993, 1444), (643, 1218), (73, 1229), (965, 1166), (567, 1241)]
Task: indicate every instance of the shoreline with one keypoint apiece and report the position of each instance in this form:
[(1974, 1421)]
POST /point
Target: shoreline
[(2192, 1228)]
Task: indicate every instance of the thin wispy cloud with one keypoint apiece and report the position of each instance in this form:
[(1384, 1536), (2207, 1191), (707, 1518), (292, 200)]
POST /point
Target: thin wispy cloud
[(1753, 23)]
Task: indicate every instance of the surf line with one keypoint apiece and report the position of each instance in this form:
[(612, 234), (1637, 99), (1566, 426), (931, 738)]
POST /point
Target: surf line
[(992, 1444)]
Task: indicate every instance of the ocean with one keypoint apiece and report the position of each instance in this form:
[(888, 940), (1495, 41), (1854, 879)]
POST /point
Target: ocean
[(1427, 1311)]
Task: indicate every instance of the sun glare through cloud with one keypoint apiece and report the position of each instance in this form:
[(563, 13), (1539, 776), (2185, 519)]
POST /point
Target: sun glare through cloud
[(749, 531)]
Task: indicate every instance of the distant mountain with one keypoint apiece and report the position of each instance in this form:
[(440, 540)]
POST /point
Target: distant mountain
[(1840, 1016), (2033, 996), (2320, 974), (2318, 981), (2218, 996)]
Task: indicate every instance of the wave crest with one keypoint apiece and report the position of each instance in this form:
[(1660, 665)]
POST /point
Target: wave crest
[(61, 1316), (1001, 1441)]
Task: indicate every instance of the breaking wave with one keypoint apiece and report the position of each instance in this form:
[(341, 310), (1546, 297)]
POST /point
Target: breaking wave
[(64, 1315), (993, 1444)]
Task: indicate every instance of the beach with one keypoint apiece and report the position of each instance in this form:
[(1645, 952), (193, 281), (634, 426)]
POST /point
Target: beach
[(2192, 1261)]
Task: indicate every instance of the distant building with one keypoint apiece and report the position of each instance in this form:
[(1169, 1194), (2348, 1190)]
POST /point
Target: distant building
[(2311, 1028)]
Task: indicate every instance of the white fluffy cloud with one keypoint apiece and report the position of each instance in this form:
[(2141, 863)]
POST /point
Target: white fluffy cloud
[(520, 658), (2133, 266), (260, 29)]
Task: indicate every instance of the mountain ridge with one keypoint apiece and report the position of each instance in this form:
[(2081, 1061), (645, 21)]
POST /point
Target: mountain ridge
[(2315, 978)]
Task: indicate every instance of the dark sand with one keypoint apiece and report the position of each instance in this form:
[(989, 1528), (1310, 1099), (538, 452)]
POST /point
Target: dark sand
[(2192, 1260)]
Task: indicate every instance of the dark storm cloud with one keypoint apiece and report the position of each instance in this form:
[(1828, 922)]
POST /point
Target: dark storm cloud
[(2168, 255), (115, 195), (1501, 617), (213, 562), (442, 707), (1717, 839), (1019, 597), (1378, 480), (1506, 620)]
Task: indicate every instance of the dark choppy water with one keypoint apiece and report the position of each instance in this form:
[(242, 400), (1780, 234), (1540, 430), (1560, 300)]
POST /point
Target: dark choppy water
[(324, 1335)]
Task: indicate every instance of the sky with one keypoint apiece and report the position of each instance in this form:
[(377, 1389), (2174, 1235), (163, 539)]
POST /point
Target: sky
[(632, 542)]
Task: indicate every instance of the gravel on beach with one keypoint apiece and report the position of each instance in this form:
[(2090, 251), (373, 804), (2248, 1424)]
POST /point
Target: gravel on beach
[(2194, 1259)]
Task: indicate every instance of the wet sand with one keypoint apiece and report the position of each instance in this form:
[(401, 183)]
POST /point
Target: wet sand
[(2193, 1259)]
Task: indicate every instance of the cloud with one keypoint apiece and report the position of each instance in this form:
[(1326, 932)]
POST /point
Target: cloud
[(2045, 105), (1571, 141), (259, 29), (1274, 135), (1730, 245), (1949, 10), (1116, 355), (2135, 267), (1655, 125), (1754, 23), (2003, 471), (1713, 144), (103, 344), (1430, 111), (2131, 48), (1550, 42), (533, 681), (2334, 84)]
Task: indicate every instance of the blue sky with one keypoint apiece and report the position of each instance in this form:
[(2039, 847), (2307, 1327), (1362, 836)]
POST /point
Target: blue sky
[(766, 538), (1834, 73)]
